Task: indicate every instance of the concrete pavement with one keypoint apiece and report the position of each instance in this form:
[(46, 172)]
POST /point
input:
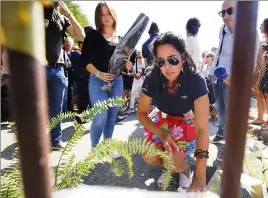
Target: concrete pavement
[(129, 128)]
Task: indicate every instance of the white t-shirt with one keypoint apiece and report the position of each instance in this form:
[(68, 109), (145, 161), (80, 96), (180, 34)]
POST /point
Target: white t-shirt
[(208, 70), (194, 49), (139, 68)]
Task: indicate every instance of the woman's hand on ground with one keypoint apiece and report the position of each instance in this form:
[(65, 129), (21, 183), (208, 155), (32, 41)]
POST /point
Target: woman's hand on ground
[(106, 76), (198, 185), (169, 145)]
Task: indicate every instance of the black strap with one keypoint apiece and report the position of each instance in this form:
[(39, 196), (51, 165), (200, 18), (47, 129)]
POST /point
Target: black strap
[(223, 34), (136, 62)]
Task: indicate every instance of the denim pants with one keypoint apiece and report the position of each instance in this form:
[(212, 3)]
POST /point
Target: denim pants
[(221, 96), (56, 85), (104, 122), (65, 99)]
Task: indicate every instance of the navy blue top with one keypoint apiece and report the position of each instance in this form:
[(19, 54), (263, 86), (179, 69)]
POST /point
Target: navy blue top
[(145, 49), (74, 57), (192, 85)]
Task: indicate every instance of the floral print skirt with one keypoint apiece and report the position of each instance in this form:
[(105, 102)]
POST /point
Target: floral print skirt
[(181, 130)]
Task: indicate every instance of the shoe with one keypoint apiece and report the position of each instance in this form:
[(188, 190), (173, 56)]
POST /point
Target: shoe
[(217, 139), (58, 146), (132, 110), (120, 118), (116, 155), (185, 181)]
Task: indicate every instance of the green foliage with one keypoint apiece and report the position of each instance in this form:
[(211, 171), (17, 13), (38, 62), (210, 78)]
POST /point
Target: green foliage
[(78, 14), (69, 172), (76, 11)]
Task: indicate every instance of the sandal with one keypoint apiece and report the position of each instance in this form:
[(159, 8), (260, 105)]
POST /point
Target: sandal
[(258, 122), (184, 182)]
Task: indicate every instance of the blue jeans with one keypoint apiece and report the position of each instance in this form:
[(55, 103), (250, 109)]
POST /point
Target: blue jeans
[(56, 84), (65, 100), (104, 122), (221, 96)]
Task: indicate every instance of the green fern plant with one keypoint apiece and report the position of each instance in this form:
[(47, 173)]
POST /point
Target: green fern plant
[(69, 172)]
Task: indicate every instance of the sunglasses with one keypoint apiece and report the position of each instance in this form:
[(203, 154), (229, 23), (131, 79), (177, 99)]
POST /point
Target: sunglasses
[(171, 60), (229, 11)]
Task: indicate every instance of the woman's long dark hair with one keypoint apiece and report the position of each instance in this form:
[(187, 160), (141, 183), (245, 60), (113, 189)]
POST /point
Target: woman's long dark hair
[(178, 43)]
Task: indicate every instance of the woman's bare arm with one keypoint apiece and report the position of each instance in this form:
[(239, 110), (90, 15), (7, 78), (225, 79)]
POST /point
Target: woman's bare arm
[(145, 103), (201, 114)]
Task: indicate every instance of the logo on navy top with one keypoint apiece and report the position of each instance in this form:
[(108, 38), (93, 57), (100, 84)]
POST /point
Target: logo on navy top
[(184, 97)]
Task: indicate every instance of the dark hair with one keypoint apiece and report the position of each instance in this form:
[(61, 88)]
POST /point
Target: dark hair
[(154, 28), (98, 24), (193, 25), (179, 44), (265, 25)]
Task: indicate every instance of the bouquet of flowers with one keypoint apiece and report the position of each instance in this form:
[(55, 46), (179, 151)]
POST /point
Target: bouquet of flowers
[(126, 47)]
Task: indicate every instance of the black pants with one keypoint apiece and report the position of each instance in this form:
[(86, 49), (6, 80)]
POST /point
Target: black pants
[(71, 81), (83, 94), (5, 100)]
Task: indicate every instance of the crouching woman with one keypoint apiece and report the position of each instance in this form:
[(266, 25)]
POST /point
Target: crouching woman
[(180, 127)]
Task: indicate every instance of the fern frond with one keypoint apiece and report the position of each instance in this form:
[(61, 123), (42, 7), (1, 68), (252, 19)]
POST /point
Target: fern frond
[(100, 107), (62, 116), (63, 165), (117, 168), (103, 153), (11, 180)]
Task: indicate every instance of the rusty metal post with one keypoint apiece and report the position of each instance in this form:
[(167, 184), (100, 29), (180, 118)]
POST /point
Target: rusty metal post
[(24, 38), (239, 100)]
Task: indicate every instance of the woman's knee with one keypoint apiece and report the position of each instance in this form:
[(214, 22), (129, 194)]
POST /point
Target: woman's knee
[(153, 161)]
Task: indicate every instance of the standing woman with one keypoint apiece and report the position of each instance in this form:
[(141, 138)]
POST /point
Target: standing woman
[(98, 48)]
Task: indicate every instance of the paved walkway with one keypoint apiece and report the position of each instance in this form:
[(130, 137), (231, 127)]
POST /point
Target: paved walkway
[(130, 128)]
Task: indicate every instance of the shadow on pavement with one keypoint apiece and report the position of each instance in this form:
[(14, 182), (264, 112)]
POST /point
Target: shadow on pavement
[(7, 153)]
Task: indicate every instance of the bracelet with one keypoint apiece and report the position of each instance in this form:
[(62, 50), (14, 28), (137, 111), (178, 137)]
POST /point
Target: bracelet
[(97, 74), (201, 154), (69, 15)]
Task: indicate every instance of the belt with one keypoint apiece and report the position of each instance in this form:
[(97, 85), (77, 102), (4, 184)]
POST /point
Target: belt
[(55, 65)]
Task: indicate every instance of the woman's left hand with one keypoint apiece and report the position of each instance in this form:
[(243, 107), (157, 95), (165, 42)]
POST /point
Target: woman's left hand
[(129, 65), (198, 185)]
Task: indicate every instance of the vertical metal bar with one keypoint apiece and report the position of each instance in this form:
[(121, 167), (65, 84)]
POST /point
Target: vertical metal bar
[(239, 100), (23, 27)]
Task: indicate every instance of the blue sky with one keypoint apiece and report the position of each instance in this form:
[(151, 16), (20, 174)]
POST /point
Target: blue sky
[(171, 16)]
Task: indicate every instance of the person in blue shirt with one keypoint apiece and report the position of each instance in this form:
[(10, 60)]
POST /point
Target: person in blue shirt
[(146, 52)]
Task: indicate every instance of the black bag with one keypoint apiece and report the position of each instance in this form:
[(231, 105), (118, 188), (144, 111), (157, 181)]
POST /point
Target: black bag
[(211, 92)]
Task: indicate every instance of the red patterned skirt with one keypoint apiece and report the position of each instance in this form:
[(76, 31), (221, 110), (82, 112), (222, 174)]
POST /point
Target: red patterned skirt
[(182, 131)]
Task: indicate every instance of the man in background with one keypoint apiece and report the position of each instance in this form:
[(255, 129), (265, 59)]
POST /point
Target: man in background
[(58, 21), (223, 58), (146, 47)]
